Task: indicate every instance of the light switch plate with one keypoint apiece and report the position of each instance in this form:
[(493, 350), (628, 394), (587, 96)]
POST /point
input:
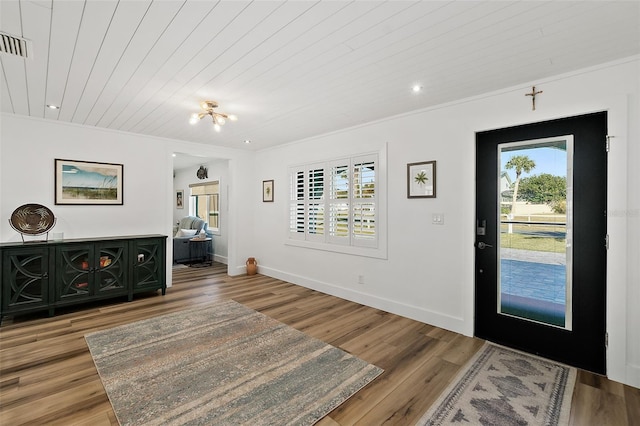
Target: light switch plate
[(437, 219)]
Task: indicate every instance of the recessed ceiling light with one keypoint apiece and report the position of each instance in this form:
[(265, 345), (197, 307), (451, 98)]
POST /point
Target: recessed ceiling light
[(417, 88), (247, 141), (50, 106)]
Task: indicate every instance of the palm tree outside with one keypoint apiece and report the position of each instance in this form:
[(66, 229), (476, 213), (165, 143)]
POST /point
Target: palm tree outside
[(521, 163)]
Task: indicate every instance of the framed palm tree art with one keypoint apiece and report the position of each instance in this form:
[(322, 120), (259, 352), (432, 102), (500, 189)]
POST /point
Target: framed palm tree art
[(267, 191), (421, 180)]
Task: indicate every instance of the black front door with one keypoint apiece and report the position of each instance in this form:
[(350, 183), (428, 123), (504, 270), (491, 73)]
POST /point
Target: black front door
[(541, 254)]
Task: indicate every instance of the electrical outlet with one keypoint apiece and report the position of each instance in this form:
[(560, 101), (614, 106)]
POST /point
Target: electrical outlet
[(360, 279)]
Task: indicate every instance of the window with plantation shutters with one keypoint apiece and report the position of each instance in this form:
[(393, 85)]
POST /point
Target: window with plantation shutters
[(335, 202)]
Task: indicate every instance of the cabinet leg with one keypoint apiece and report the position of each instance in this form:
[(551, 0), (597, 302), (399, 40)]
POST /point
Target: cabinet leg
[(164, 290), (51, 312)]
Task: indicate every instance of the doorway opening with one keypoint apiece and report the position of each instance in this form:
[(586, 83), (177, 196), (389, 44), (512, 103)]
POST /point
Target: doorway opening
[(203, 183)]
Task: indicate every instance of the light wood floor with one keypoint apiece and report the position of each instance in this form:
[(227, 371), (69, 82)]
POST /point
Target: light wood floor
[(47, 375)]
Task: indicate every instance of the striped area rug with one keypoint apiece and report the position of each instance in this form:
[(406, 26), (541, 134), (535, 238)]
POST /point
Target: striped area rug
[(222, 364), (500, 386)]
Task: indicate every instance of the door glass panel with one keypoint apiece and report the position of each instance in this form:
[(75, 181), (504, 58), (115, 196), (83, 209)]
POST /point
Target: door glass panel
[(535, 230)]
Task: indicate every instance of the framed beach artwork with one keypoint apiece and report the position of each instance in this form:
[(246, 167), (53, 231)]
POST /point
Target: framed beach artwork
[(267, 191), (421, 180), (88, 182)]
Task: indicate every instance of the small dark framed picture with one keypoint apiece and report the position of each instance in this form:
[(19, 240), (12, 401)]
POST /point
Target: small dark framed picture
[(267, 191), (180, 199), (421, 180)]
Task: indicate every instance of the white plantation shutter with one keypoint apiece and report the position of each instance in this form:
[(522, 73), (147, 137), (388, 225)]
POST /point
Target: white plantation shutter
[(363, 210), (296, 204), (315, 203), (335, 202), (339, 201)]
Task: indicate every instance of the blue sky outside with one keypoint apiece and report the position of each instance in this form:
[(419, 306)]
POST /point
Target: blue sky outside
[(97, 177), (548, 160)]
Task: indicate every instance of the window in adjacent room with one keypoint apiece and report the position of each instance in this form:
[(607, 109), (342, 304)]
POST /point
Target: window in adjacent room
[(205, 203)]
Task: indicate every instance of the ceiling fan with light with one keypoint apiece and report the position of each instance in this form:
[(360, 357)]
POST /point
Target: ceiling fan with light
[(219, 118)]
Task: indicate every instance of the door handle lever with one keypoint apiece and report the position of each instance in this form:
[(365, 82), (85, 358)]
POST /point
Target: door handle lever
[(481, 245)]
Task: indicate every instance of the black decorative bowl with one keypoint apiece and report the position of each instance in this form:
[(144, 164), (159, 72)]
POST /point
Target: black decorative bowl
[(32, 219)]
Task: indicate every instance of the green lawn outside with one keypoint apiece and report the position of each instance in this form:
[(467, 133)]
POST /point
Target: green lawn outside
[(528, 242), (522, 237)]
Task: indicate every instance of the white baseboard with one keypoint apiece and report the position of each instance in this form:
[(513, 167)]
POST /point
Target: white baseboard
[(417, 313), (238, 270), (633, 376), (220, 259)]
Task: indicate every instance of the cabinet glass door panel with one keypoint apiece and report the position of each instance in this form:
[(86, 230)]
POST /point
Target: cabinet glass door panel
[(110, 271), (25, 278), (147, 269), (147, 266), (74, 272)]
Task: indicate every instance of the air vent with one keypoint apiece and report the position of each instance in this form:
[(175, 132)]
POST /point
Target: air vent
[(15, 46)]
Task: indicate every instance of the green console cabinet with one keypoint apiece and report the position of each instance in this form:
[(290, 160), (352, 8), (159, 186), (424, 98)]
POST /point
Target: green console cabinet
[(44, 275)]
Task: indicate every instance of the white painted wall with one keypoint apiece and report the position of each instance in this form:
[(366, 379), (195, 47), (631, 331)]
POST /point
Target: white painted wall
[(28, 147), (429, 270), (217, 170)]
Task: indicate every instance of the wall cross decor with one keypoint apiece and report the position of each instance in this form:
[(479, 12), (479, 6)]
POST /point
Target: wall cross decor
[(533, 97)]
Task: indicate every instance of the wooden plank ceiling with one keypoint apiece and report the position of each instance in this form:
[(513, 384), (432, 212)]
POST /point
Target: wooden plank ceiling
[(289, 70)]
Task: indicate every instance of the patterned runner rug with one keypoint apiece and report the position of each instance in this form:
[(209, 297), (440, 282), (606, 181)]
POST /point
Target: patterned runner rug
[(499, 386), (222, 364)]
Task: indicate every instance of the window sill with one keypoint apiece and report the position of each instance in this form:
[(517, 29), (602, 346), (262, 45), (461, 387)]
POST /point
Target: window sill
[(373, 252)]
